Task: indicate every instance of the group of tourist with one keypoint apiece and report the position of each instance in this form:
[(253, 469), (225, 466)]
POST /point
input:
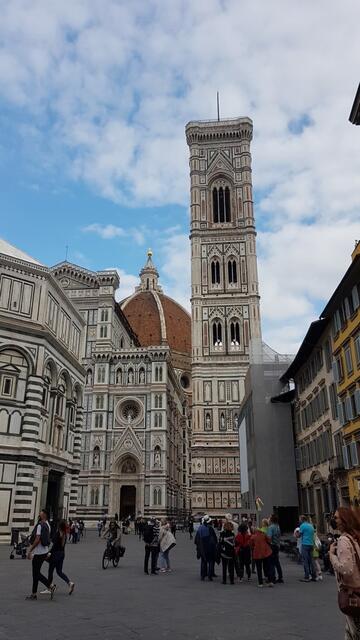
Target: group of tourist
[(241, 548)]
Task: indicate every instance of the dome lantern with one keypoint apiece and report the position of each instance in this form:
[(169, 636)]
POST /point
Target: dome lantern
[(149, 276)]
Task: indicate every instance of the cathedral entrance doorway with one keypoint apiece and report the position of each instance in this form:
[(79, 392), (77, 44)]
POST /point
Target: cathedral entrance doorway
[(127, 501)]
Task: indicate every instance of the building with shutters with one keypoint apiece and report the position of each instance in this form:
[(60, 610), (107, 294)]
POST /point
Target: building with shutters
[(135, 453), (343, 313), (321, 474), (41, 393)]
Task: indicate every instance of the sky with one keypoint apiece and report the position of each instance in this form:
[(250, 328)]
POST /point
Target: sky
[(94, 98)]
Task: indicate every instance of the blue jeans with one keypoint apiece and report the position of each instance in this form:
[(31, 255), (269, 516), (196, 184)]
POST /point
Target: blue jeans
[(306, 550), (164, 559)]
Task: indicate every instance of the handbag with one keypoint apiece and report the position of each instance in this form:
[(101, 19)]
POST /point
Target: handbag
[(348, 598)]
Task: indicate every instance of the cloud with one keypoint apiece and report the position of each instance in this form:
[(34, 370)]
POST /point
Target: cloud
[(110, 231), (98, 92), (128, 282)]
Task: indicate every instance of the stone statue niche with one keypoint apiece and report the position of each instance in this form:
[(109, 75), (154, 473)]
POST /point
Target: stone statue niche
[(157, 457)]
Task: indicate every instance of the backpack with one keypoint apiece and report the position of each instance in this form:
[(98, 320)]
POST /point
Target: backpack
[(148, 534), (45, 534)]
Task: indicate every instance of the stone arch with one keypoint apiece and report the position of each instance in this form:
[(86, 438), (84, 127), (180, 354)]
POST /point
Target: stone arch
[(26, 354), (68, 384), (131, 457), (50, 363)]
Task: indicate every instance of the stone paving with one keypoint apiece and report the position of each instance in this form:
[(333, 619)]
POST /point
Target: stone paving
[(124, 603)]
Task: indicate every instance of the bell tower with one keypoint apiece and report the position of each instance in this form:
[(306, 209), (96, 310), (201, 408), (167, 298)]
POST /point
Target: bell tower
[(224, 301)]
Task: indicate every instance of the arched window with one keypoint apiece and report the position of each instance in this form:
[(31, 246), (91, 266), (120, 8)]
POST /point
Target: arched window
[(98, 420), (104, 315), (235, 334), (157, 496), (99, 402), (96, 456), (215, 272), (103, 332), (217, 334), (101, 374), (221, 204), (227, 205), (89, 377), (121, 343), (160, 420), (157, 401), (215, 205), (160, 402), (160, 374), (232, 272), (118, 376)]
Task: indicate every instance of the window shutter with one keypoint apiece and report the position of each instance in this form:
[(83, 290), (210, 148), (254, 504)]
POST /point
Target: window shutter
[(335, 371), (348, 408), (355, 297), (347, 308), (340, 411), (357, 348), (354, 455), (297, 459), (357, 401), (345, 457)]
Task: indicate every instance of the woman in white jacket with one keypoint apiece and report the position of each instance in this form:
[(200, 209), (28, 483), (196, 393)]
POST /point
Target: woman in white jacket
[(167, 542)]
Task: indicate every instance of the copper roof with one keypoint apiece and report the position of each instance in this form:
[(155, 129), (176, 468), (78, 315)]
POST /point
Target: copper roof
[(145, 318)]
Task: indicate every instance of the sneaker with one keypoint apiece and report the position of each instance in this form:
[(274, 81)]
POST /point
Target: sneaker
[(71, 587), (31, 597), (279, 581), (260, 586), (162, 570), (240, 579), (319, 578), (52, 591), (168, 570), (44, 592), (305, 580)]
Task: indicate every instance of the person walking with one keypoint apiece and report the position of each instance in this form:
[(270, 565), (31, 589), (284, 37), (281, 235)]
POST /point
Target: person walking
[(151, 538), (191, 528), (243, 552), (167, 542), (227, 551), (306, 533), (57, 556), (345, 559), (274, 534), (37, 552), (206, 544), (261, 552)]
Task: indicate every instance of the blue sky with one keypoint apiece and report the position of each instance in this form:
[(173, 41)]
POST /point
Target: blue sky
[(95, 96)]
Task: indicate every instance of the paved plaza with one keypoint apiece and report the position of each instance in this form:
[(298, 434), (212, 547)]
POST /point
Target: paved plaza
[(125, 603)]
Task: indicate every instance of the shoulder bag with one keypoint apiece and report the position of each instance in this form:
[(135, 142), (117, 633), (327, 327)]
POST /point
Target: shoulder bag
[(348, 598)]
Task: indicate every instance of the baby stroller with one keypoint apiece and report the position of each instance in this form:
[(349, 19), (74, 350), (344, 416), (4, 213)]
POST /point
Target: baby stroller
[(19, 548)]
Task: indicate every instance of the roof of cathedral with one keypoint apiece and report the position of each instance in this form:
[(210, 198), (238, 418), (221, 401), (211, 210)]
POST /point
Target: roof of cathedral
[(9, 250), (156, 318)]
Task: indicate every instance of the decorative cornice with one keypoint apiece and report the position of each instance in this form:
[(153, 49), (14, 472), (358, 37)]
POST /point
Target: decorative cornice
[(219, 130)]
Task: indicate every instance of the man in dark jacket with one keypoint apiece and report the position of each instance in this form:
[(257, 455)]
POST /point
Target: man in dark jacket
[(151, 538), (206, 544)]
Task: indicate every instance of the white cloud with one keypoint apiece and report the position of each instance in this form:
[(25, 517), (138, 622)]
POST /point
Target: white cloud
[(110, 231), (109, 86)]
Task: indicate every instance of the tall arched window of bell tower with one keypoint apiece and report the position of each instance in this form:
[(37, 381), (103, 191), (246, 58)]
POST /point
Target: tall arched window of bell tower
[(221, 204)]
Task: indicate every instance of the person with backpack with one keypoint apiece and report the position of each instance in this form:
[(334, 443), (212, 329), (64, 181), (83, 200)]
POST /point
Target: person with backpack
[(151, 538), (38, 552), (227, 551), (57, 556), (345, 558)]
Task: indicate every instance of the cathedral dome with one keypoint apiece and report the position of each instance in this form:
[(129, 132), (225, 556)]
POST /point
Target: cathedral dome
[(156, 318)]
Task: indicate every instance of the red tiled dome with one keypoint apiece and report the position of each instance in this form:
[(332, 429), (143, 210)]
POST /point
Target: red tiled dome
[(157, 319)]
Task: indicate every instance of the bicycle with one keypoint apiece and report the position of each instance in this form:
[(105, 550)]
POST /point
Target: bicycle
[(110, 555)]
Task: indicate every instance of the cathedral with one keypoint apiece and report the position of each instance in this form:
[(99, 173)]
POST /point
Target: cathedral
[(132, 407)]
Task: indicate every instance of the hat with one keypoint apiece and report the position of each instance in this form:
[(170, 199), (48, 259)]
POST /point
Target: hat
[(206, 520)]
